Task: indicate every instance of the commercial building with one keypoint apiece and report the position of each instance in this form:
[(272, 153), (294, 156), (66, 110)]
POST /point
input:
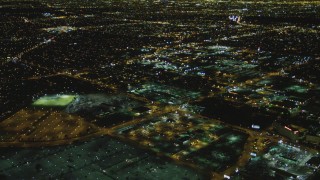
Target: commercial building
[(293, 132)]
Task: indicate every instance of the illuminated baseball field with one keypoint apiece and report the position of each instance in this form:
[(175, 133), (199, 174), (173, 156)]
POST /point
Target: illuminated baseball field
[(54, 100)]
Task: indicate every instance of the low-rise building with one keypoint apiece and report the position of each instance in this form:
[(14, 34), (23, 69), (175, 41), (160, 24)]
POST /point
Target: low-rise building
[(313, 139), (293, 132)]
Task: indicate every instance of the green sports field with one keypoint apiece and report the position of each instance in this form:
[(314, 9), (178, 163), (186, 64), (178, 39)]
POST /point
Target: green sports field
[(54, 100)]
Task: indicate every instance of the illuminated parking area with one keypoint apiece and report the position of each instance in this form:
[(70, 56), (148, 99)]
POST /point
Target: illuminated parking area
[(290, 159), (54, 100), (165, 94), (298, 89), (190, 139)]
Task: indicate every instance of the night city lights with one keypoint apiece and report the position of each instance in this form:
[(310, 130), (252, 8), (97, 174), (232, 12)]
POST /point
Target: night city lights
[(160, 89)]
